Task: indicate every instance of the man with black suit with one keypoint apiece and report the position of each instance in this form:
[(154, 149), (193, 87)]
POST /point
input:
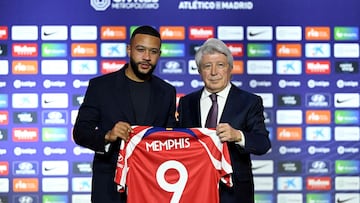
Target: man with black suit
[(239, 118), (118, 100)]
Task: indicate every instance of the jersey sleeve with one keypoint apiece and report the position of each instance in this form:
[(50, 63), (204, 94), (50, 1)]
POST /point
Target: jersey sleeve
[(121, 168)]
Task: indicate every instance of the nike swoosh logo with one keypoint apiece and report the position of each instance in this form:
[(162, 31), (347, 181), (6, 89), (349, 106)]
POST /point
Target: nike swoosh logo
[(339, 101), (253, 34), (344, 200), (48, 101), (261, 166), (49, 169), (49, 33)]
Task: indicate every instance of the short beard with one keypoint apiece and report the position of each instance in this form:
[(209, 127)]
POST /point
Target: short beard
[(142, 76)]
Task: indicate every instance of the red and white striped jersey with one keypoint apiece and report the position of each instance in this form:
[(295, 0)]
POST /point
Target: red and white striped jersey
[(173, 165)]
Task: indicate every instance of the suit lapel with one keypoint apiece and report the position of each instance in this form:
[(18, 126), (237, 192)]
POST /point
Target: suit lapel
[(195, 109), (230, 102)]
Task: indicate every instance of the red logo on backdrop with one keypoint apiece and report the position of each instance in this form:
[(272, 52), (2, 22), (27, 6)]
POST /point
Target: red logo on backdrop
[(318, 183), (4, 33), (25, 50), (25, 134), (317, 67), (108, 66), (201, 33), (4, 117), (237, 50), (4, 168)]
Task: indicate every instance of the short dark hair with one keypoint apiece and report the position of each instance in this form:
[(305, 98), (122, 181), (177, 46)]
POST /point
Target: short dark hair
[(147, 30)]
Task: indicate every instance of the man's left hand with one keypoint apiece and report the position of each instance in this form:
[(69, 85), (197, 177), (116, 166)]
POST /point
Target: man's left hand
[(227, 133)]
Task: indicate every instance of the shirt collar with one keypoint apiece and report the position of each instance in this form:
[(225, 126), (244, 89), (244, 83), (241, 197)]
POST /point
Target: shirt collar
[(223, 93)]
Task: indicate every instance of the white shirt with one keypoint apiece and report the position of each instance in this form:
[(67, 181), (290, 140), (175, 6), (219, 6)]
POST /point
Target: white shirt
[(205, 105)]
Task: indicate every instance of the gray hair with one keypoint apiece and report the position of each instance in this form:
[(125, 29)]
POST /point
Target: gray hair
[(212, 46)]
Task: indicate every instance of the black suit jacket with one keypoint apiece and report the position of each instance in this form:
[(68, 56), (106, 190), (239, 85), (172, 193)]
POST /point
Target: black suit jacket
[(243, 111), (107, 101)]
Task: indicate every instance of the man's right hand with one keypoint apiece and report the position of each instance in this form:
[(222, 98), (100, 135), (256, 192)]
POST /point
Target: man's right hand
[(120, 130)]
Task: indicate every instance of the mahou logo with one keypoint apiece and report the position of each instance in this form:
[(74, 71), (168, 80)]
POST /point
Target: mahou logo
[(237, 50), (4, 168), (25, 134), (318, 183), (25, 50), (201, 33), (4, 117), (108, 66), (317, 67), (3, 33)]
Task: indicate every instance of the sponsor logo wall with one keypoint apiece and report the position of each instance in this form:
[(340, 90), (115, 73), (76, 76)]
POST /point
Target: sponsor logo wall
[(301, 57)]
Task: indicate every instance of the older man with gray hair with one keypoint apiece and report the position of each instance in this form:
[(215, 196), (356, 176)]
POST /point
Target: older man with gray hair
[(237, 115)]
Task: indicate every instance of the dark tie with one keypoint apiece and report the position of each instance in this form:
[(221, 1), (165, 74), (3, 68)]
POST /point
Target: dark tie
[(211, 120)]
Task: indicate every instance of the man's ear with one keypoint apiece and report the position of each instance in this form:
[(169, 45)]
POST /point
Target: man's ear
[(128, 50)]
